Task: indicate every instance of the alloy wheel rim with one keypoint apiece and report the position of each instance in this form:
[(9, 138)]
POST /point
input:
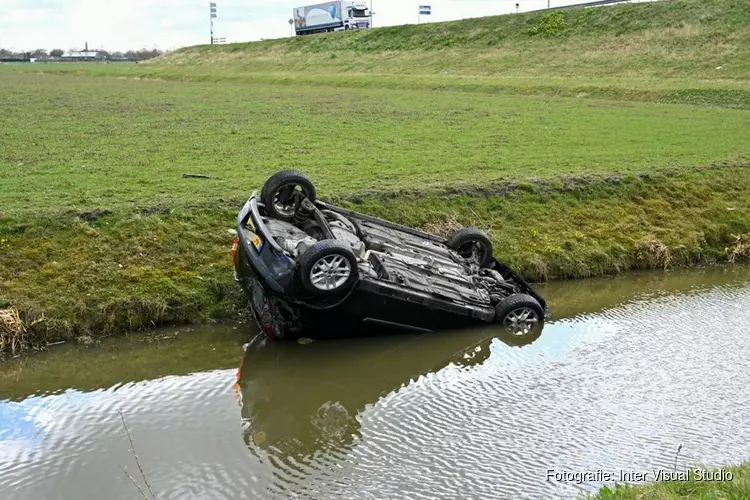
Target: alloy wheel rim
[(521, 321), (330, 272)]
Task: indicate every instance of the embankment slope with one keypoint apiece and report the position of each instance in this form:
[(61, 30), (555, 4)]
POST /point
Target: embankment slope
[(690, 51)]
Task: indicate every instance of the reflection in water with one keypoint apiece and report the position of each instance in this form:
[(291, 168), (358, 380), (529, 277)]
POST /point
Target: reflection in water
[(297, 408), (569, 299)]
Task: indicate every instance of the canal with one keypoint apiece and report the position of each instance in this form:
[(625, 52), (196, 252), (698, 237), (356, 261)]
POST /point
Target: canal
[(626, 371)]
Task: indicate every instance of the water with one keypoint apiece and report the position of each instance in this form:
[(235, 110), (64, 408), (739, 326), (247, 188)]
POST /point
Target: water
[(627, 370)]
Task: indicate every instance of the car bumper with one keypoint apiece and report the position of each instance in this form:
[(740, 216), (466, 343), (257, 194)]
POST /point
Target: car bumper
[(264, 261)]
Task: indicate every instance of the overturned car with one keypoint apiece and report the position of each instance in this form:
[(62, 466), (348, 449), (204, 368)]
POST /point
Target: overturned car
[(311, 269)]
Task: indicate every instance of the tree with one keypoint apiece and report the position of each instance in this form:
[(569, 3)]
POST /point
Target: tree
[(56, 52), (149, 54), (143, 54)]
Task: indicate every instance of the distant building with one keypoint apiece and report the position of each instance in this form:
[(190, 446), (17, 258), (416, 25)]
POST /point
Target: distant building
[(84, 55)]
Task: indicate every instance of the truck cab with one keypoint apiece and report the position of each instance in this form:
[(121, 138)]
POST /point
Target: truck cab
[(357, 16)]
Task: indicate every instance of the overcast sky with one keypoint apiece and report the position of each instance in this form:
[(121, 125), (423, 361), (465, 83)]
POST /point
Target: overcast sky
[(169, 24)]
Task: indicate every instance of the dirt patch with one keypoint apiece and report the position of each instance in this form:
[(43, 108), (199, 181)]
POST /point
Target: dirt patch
[(443, 227), (163, 210), (94, 215)]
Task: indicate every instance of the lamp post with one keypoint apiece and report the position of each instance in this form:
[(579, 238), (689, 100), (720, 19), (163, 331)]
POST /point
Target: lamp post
[(212, 5)]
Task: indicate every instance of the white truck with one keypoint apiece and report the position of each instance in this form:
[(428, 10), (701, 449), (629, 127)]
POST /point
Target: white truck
[(338, 15)]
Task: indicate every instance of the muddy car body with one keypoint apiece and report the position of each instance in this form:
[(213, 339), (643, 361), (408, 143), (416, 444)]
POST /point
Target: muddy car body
[(312, 269)]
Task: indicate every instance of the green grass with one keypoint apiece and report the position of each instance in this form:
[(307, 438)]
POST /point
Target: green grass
[(578, 164), (693, 489), (76, 144)]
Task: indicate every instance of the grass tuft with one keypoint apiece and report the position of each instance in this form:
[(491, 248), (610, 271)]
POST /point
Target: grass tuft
[(653, 253), (549, 24), (12, 332), (740, 251)]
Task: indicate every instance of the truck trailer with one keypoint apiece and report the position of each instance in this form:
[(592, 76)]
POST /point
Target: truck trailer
[(338, 15)]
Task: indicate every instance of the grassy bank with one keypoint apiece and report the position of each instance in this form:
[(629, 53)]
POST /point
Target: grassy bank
[(738, 487), (667, 39), (98, 274), (674, 51), (578, 172)]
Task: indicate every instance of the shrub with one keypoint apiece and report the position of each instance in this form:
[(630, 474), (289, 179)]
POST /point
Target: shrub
[(550, 24)]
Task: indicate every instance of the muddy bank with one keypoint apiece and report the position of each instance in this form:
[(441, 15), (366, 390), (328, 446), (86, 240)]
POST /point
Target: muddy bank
[(110, 271)]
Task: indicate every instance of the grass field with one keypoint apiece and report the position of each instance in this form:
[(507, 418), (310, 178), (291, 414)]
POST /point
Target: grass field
[(76, 143), (576, 169)]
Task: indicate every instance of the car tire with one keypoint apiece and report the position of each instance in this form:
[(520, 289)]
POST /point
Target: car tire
[(520, 314), (277, 189), (461, 242), (328, 267)]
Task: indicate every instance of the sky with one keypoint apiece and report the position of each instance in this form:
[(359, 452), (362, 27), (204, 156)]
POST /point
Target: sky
[(119, 25)]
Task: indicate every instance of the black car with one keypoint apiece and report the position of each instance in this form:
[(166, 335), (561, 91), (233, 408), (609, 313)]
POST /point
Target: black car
[(311, 269)]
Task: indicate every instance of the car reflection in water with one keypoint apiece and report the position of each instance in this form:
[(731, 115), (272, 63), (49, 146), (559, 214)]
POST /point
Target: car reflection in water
[(302, 399)]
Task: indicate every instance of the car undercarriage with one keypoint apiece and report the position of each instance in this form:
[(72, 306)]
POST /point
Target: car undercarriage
[(316, 265)]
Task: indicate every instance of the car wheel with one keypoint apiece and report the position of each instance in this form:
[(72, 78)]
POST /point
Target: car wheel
[(472, 245), (328, 267), (282, 192), (520, 314)]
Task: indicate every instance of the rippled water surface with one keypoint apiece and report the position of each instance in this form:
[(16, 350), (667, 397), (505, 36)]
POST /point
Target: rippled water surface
[(627, 370)]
